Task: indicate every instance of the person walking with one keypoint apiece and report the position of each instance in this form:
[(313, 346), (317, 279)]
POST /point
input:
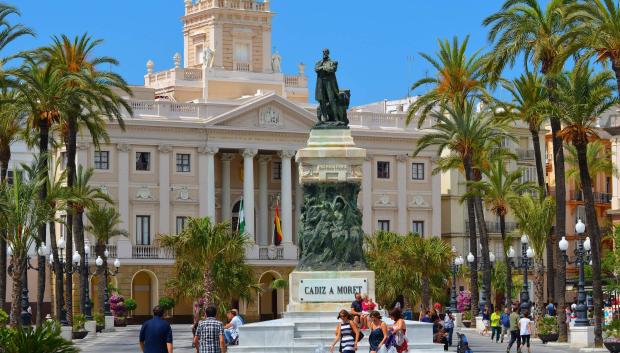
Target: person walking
[(486, 321), (378, 331), (448, 325), (399, 331), (505, 320), (347, 332), (210, 334), (496, 325), (525, 330), (514, 329), (156, 334)]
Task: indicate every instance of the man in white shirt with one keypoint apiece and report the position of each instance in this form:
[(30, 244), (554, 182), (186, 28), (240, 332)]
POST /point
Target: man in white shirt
[(231, 329)]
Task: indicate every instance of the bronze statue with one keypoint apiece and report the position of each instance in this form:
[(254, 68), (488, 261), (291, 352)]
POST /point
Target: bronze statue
[(333, 103)]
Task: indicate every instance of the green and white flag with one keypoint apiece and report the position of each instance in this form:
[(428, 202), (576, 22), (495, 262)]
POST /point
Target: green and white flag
[(241, 224)]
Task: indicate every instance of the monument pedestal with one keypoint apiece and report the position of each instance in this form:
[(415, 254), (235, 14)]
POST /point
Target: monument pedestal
[(582, 336)]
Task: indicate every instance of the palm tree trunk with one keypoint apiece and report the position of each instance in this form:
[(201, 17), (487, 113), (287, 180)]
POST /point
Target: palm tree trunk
[(560, 213), (473, 243), (4, 169), (539, 287), (426, 294), (16, 275), (58, 290), (78, 231), (42, 234), (615, 65), (595, 239), (70, 145), (484, 243), (69, 260), (502, 229), (209, 285)]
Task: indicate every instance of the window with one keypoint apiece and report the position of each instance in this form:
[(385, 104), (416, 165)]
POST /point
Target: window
[(276, 170), (528, 174), (383, 170), (63, 226), (384, 225), (418, 228), (143, 161), (181, 221), (63, 160), (417, 171), (102, 160), (199, 57), (242, 53), (9, 177), (183, 163), (143, 230), (608, 185)]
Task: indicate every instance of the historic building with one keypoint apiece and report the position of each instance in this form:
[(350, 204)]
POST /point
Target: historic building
[(223, 125)]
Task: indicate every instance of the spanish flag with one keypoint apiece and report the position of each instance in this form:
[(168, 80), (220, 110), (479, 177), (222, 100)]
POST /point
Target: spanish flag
[(277, 227)]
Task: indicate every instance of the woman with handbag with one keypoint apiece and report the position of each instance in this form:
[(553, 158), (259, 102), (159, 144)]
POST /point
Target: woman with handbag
[(399, 331), (378, 332), (347, 333)]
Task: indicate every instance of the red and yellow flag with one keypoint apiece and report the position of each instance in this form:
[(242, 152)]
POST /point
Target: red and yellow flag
[(277, 229)]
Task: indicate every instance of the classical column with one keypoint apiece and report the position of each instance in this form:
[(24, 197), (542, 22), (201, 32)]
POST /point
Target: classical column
[(299, 201), (248, 190), (206, 175), (164, 188), (123, 183), (401, 179), (436, 199), (367, 195), (82, 154), (615, 184), (226, 207), (263, 200), (286, 199)]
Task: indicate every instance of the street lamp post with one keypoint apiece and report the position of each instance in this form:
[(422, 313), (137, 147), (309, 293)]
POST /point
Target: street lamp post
[(42, 251), (106, 273), (581, 256), (483, 296), (457, 261), (511, 254), (66, 268), (526, 254)]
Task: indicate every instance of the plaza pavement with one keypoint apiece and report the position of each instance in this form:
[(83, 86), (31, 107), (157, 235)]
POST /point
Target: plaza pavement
[(125, 340)]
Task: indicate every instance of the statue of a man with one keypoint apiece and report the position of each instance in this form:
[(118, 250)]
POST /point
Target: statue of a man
[(327, 88), (276, 61)]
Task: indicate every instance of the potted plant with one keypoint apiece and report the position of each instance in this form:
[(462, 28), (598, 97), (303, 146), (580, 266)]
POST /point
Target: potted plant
[(467, 319), (117, 305), (167, 303), (78, 327), (130, 305), (612, 336), (100, 320), (548, 329)]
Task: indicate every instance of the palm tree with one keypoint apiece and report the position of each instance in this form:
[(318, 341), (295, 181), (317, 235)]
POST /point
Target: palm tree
[(104, 222), (206, 252), (535, 218), (546, 36), (23, 213), (601, 20), (8, 33), (431, 259), (462, 130), (84, 196), (599, 161), (583, 96), (496, 189)]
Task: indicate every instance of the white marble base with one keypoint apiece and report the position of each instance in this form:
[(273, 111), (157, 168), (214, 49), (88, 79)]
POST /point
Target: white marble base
[(109, 324), (91, 327), (582, 336), (66, 332), (458, 320), (296, 305), (305, 332)]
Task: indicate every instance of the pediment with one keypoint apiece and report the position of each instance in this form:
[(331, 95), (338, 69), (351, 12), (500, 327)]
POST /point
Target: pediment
[(269, 112)]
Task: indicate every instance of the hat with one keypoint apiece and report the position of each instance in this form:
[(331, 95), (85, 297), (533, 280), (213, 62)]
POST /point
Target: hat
[(437, 306)]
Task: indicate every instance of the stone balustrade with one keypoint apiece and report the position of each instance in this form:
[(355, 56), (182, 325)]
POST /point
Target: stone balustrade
[(228, 4), (174, 77), (384, 120)]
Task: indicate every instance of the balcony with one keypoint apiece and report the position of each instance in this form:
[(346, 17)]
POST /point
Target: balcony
[(526, 154), (270, 253), (244, 67), (174, 77), (599, 197), (372, 120), (150, 252), (494, 227), (252, 5), (111, 249)]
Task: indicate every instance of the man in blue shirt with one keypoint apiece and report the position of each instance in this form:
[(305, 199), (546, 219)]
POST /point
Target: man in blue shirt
[(156, 334)]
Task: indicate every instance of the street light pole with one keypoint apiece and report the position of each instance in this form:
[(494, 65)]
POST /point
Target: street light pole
[(526, 254), (511, 255), (106, 273), (457, 261), (87, 307), (581, 254)]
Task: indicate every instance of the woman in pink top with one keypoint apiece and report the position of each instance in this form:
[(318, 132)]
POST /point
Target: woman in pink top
[(367, 306)]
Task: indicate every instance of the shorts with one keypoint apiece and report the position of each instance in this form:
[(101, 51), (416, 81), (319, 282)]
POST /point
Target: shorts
[(486, 323)]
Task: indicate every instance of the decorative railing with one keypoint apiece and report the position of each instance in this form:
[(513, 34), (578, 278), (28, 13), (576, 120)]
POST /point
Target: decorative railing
[(385, 120), (150, 252), (173, 77), (270, 253), (295, 81), (111, 250), (599, 197), (229, 4), (526, 154), (494, 227), (242, 67)]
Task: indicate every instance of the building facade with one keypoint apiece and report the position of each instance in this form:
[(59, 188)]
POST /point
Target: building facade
[(223, 125)]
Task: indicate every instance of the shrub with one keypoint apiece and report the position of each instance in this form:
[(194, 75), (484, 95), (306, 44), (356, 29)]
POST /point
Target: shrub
[(99, 319), (117, 305), (43, 339), (467, 315), (463, 301), (4, 318), (547, 325), (130, 304), (78, 322), (612, 331), (166, 303)]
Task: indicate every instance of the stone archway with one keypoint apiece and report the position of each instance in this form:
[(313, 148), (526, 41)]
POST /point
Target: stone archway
[(270, 301), (94, 290), (144, 290)]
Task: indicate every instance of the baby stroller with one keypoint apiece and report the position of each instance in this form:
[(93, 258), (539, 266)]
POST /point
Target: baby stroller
[(463, 345)]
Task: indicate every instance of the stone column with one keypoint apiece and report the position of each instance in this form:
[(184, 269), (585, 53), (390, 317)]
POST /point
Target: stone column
[(299, 201), (226, 207), (248, 190), (615, 178), (206, 177), (401, 179), (367, 195), (436, 199), (164, 188), (123, 184), (286, 200), (82, 149), (211, 182), (263, 200)]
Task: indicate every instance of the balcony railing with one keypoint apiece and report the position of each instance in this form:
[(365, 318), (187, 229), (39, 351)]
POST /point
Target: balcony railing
[(111, 250), (295, 81), (599, 197), (270, 253), (494, 227), (242, 67), (385, 120), (526, 154), (253, 5), (173, 77), (150, 252)]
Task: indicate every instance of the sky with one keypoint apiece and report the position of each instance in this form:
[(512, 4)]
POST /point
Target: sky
[(377, 43)]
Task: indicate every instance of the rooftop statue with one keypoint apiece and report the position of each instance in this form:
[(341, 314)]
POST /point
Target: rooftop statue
[(333, 103)]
